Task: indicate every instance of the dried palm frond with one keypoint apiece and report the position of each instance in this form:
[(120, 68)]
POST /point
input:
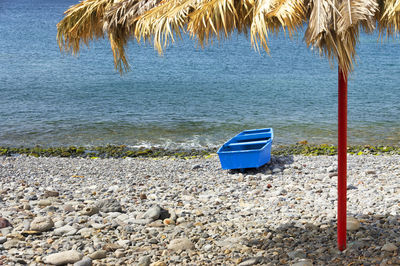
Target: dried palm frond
[(320, 22), (274, 15), (333, 25), (82, 23), (389, 17), (122, 12), (218, 18), (120, 22), (163, 22), (334, 28), (357, 12)]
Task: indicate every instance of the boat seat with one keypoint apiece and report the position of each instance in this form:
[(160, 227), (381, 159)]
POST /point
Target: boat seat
[(249, 143)]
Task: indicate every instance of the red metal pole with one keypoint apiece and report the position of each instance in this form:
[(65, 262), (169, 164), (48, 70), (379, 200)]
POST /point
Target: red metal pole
[(342, 161)]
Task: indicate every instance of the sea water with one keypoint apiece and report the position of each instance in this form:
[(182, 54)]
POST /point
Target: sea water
[(189, 97)]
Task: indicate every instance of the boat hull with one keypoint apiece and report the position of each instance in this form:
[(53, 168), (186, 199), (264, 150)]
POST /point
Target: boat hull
[(248, 149)]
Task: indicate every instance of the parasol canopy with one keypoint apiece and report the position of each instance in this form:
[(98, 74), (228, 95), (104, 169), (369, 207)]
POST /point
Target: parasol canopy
[(332, 26)]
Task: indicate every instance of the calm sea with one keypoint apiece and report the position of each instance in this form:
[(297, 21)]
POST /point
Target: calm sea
[(190, 97)]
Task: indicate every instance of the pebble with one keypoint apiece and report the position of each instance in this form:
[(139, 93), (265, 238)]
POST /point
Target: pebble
[(153, 213), (65, 230), (60, 258), (181, 244), (44, 203), (252, 261), (4, 223), (203, 216), (352, 224), (90, 210), (68, 208), (389, 247), (144, 261), (97, 255), (119, 253), (12, 243), (42, 224), (303, 262), (109, 205), (50, 193), (276, 170), (85, 261), (297, 254), (158, 263)]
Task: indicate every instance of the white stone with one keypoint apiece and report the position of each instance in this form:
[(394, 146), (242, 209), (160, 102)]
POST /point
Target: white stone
[(352, 224), (181, 244), (65, 230), (61, 258), (42, 224)]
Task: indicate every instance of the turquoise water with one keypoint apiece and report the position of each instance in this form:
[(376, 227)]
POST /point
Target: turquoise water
[(190, 97)]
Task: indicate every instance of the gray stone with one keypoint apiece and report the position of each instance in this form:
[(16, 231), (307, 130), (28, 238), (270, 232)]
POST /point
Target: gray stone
[(85, 232), (41, 224), (99, 254), (276, 170), (152, 213), (3, 239), (389, 247), (50, 193), (252, 261), (86, 261), (119, 253), (350, 187), (109, 205), (69, 208), (65, 230), (181, 244), (196, 166), (139, 221), (144, 261), (297, 254), (90, 210), (12, 243), (303, 262), (64, 257)]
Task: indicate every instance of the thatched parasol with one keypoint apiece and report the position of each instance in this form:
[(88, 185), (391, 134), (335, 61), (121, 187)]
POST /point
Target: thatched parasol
[(332, 26)]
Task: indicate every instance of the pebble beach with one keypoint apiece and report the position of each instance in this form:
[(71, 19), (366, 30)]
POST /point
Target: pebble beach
[(165, 211)]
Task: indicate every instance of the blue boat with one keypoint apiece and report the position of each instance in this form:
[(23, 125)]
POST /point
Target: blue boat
[(248, 149)]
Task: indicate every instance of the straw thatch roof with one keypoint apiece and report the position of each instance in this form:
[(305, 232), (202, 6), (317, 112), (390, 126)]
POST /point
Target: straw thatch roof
[(332, 26)]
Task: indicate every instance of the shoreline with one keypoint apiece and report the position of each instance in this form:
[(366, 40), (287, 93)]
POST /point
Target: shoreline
[(123, 151), (173, 211)]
